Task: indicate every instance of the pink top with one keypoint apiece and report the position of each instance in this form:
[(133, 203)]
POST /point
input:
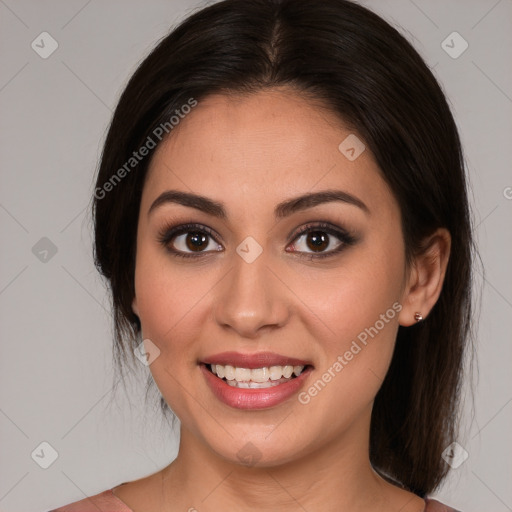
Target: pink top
[(107, 501)]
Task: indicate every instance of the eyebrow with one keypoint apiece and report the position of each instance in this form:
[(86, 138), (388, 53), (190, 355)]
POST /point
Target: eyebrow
[(284, 209)]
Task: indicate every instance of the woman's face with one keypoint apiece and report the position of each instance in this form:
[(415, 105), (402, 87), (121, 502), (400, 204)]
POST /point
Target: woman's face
[(244, 280)]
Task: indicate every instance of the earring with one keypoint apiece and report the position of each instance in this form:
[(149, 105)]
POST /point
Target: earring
[(418, 316)]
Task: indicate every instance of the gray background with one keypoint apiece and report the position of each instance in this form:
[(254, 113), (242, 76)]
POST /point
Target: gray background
[(56, 364)]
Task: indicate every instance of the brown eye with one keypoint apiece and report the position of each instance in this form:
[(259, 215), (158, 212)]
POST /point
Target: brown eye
[(189, 240), (196, 241), (317, 240), (321, 240), (192, 241)]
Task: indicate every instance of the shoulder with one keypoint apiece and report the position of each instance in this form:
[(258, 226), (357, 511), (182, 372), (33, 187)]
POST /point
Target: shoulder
[(436, 506), (105, 501)]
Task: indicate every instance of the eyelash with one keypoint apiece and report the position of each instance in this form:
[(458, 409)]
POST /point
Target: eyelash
[(168, 232)]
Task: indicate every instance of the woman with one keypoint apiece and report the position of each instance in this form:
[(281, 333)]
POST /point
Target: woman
[(281, 214)]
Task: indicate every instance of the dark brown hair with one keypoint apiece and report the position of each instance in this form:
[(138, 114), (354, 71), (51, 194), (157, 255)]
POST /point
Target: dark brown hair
[(366, 72)]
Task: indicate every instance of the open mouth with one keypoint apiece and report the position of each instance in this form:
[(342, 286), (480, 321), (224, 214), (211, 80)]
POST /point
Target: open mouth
[(256, 378)]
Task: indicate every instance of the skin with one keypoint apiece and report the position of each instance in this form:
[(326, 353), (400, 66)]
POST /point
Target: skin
[(250, 153)]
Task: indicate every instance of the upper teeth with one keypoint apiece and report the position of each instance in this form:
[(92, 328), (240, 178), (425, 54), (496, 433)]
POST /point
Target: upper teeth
[(256, 374)]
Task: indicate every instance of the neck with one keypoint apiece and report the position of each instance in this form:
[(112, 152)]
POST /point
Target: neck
[(336, 476)]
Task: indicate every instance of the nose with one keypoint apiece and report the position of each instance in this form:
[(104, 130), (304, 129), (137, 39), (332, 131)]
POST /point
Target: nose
[(251, 299)]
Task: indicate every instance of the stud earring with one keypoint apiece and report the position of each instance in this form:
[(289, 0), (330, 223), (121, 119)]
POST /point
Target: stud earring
[(418, 316)]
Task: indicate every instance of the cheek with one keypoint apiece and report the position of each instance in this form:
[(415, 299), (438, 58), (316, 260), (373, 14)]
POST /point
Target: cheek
[(360, 317), (363, 313), (358, 304), (156, 301), (171, 313), (353, 297), (172, 302)]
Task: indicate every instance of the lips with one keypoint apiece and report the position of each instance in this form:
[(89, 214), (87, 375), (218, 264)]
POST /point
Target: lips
[(250, 398), (256, 360)]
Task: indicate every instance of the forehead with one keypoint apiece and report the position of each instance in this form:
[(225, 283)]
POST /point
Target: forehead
[(264, 146)]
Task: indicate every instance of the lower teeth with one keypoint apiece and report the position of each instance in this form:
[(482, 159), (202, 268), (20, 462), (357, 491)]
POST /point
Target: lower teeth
[(255, 385)]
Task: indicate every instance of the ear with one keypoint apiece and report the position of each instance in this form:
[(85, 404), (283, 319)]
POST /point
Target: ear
[(135, 309), (426, 277)]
